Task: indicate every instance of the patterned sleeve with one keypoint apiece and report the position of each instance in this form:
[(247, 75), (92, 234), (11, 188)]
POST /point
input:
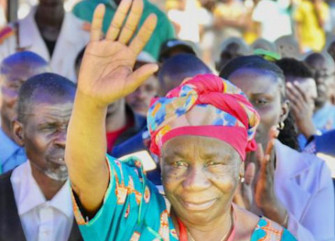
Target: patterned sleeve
[(123, 214)]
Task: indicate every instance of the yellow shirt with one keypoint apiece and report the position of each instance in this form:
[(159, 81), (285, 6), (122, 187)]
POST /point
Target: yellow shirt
[(312, 36)]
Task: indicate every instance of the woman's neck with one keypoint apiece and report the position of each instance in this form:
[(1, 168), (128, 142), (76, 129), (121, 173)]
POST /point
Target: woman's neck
[(216, 230)]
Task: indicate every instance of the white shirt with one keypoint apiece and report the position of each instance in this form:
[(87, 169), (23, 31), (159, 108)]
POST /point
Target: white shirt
[(304, 186), (41, 220), (275, 22), (71, 40)]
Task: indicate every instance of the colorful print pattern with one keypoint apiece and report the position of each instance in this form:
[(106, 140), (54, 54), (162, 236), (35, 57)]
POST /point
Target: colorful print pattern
[(133, 209), (205, 100)]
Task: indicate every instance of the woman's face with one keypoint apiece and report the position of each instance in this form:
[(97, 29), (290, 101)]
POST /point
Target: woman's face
[(200, 176), (263, 90)]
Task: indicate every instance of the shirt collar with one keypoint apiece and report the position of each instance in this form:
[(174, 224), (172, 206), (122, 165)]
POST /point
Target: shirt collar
[(29, 196), (7, 148)]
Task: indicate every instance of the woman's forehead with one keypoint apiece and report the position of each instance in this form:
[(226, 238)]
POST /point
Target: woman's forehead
[(189, 145), (255, 80)]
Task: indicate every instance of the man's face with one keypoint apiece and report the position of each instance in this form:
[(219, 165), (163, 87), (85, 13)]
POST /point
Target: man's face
[(12, 81), (140, 99), (323, 75), (200, 176), (44, 131)]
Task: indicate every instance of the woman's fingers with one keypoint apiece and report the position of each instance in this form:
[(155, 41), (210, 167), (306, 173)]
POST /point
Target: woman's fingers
[(132, 21), (118, 19), (144, 34), (300, 91), (97, 21), (249, 174), (140, 75)]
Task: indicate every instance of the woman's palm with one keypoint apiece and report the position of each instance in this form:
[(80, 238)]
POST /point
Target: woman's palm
[(106, 72)]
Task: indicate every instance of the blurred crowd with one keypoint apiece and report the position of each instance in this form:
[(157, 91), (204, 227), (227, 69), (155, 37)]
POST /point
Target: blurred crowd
[(280, 53)]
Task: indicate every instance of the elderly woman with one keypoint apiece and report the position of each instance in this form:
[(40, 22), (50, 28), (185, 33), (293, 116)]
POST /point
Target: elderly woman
[(292, 188), (201, 130)]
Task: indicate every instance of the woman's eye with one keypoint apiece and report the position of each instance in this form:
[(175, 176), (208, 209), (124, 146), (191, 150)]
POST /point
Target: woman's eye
[(180, 164), (260, 101), (213, 163)]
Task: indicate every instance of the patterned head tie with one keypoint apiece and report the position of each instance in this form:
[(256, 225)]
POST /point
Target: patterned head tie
[(205, 105)]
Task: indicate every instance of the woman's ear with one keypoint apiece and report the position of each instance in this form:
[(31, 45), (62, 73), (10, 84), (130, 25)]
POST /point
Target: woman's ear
[(285, 109), (18, 133)]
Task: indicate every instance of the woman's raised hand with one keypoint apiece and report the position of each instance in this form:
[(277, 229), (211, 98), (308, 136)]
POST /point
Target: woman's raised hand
[(106, 73)]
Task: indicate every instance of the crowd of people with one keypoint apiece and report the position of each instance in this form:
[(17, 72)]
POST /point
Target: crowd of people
[(188, 120)]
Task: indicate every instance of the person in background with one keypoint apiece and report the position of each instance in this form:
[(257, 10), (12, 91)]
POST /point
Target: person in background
[(310, 17), (176, 46), (261, 43), (200, 168), (189, 19), (288, 47), (292, 188), (230, 19), (140, 99), (273, 20), (84, 10), (14, 70), (231, 48), (302, 93), (51, 32), (176, 69), (323, 69), (35, 199)]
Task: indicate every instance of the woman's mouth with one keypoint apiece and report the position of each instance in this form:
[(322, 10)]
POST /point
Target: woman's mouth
[(198, 206)]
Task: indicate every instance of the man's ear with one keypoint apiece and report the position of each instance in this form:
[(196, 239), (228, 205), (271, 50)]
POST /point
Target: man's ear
[(285, 109), (18, 135)]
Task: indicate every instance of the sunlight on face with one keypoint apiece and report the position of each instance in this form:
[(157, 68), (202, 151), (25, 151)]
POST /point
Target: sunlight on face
[(200, 176)]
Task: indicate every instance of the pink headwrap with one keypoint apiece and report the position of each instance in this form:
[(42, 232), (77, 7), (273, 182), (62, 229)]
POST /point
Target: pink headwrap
[(205, 105)]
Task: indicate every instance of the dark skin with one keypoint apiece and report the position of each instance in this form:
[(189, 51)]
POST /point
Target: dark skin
[(264, 90), (200, 176), (323, 72), (43, 134), (300, 107), (49, 18), (12, 79)]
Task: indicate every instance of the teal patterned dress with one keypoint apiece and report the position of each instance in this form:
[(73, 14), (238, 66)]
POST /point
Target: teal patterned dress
[(133, 209)]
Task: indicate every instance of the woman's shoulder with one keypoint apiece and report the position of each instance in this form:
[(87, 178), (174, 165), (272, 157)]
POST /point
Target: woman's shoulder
[(251, 227), (268, 230)]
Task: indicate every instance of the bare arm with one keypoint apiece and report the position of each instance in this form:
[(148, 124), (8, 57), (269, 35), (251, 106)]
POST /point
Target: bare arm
[(105, 76)]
